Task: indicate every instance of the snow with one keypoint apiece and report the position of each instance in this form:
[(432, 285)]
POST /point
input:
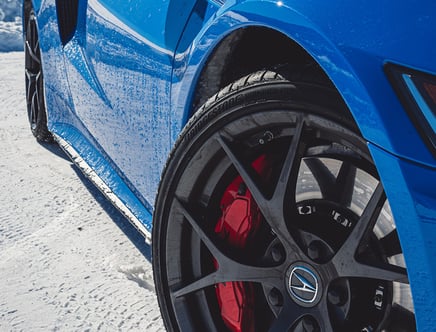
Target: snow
[(68, 260), (10, 26), (11, 38)]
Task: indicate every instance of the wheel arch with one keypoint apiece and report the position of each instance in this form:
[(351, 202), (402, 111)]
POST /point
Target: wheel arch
[(236, 33)]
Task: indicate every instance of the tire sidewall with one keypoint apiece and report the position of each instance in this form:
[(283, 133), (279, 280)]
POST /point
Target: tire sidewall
[(219, 110)]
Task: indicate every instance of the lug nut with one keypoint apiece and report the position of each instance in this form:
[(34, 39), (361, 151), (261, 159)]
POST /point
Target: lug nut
[(277, 254), (275, 297), (336, 297), (313, 251), (309, 325)]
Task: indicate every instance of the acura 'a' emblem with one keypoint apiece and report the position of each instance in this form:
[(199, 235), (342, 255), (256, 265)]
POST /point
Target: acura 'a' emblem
[(303, 285)]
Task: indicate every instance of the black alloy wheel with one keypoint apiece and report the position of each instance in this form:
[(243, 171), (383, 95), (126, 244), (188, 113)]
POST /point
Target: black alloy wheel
[(271, 217), (34, 80)]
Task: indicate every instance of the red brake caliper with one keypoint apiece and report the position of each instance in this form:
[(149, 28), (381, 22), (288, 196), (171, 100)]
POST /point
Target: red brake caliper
[(239, 222)]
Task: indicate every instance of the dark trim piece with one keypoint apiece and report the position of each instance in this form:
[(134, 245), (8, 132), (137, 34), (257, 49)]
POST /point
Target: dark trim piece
[(395, 75), (67, 12)]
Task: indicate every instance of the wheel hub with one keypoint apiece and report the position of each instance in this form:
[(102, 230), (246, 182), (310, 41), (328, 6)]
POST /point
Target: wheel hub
[(303, 284)]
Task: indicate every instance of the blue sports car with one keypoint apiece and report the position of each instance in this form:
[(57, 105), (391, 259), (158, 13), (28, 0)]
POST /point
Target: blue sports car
[(279, 155)]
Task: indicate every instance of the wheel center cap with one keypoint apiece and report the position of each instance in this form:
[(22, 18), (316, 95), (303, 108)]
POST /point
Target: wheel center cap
[(303, 284)]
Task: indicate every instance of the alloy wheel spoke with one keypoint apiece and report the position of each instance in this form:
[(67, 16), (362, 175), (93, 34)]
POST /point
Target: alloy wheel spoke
[(388, 272), (322, 316), (290, 166), (325, 179), (204, 282), (31, 78), (248, 175), (195, 224), (32, 52), (290, 314), (38, 87), (337, 189), (34, 107), (32, 97), (230, 273), (391, 244), (228, 269), (36, 48), (272, 209), (345, 183), (364, 225), (345, 261)]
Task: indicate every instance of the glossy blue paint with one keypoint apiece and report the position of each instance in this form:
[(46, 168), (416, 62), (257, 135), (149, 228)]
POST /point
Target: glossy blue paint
[(119, 116), (346, 49), (160, 22), (100, 165), (37, 5), (411, 193), (120, 92)]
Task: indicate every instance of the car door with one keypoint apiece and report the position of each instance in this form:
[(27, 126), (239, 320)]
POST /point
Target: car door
[(119, 62)]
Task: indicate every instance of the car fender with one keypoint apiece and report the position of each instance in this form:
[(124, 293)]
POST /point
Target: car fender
[(372, 114)]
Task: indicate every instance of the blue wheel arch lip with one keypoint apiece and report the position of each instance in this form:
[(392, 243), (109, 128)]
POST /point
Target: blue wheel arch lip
[(357, 75)]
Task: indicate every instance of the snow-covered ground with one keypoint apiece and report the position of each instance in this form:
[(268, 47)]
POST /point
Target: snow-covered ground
[(11, 38), (68, 260), (10, 26)]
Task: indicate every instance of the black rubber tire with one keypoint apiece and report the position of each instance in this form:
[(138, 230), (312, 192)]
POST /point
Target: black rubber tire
[(258, 99), (34, 79)]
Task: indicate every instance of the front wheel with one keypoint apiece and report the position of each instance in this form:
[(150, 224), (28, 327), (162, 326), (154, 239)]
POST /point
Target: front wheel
[(271, 217)]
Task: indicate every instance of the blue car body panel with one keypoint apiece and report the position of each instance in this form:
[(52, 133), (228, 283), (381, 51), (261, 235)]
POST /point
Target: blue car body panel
[(151, 54), (100, 95), (410, 189)]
